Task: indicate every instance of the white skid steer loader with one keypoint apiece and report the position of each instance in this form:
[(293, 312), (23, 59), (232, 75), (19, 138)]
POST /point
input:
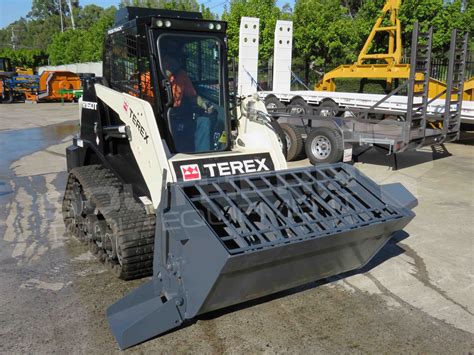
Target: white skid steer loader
[(168, 179)]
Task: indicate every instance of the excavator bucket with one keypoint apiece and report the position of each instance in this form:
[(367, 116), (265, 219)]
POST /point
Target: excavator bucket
[(224, 241)]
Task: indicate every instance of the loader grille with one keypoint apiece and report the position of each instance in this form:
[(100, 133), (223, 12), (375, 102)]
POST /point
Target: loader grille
[(262, 210)]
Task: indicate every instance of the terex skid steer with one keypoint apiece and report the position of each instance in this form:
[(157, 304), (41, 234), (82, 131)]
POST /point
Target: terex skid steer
[(168, 179)]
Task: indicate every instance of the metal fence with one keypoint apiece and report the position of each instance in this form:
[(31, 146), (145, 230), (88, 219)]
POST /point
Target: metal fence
[(439, 68), (310, 75)]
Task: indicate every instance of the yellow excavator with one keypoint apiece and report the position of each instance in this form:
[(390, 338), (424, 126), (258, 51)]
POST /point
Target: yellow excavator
[(388, 66)]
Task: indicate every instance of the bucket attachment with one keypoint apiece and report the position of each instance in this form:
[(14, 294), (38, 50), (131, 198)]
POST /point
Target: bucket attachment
[(223, 241)]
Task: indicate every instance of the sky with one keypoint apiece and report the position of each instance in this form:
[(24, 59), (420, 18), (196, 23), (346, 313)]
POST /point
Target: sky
[(11, 10)]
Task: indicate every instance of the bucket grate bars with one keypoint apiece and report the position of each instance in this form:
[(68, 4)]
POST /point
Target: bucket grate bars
[(228, 240), (252, 212)]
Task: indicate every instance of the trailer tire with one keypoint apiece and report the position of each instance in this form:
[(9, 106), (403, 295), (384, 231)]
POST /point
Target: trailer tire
[(294, 141), (280, 135), (272, 102), (299, 106), (330, 108), (324, 145)]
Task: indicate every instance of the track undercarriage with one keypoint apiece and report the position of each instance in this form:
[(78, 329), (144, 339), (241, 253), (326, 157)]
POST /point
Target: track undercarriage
[(98, 211)]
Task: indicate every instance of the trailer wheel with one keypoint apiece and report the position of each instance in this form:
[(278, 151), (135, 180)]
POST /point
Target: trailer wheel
[(329, 107), (280, 136), (324, 145), (294, 141), (299, 106), (272, 103)]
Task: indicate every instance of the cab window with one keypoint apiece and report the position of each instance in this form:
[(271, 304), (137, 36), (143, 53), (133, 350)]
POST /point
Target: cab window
[(192, 68)]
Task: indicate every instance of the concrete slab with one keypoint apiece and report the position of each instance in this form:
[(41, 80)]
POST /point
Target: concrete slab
[(415, 296), (31, 115)]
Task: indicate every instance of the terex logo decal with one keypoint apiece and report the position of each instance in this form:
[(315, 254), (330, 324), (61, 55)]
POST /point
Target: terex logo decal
[(236, 167), (134, 116), (190, 172), (223, 166)]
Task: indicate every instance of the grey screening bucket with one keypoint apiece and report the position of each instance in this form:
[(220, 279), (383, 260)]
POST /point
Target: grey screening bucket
[(220, 241)]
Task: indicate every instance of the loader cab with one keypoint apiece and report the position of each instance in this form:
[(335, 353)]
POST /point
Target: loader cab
[(177, 62), (191, 70)]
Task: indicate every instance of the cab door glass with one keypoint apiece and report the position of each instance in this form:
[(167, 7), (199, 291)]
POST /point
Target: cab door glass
[(196, 116)]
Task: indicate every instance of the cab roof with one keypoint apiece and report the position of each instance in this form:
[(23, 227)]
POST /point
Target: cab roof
[(129, 13)]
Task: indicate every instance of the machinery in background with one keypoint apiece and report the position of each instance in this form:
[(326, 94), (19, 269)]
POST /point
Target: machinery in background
[(184, 183), (469, 90), (368, 65), (11, 89), (327, 125), (24, 71), (55, 86), (20, 84)]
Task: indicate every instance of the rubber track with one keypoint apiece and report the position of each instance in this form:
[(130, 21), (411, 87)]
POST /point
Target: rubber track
[(127, 218)]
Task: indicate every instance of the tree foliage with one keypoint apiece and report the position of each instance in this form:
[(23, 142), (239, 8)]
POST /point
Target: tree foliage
[(444, 16), (179, 5), (334, 31), (24, 57), (82, 44), (268, 13), (325, 31), (43, 9)]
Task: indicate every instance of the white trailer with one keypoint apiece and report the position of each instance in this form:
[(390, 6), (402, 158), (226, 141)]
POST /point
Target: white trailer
[(327, 125), (282, 93), (346, 101)]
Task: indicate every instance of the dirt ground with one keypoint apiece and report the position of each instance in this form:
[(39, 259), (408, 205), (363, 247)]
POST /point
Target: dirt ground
[(416, 296)]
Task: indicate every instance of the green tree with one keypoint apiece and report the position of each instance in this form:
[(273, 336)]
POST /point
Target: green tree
[(30, 34), (179, 5), (324, 32), (66, 47), (29, 58), (364, 20), (95, 36), (268, 13), (87, 16), (353, 6), (43, 9), (81, 45), (442, 15)]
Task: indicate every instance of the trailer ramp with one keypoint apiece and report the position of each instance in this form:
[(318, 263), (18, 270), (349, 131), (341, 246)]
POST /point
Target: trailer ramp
[(224, 241)]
